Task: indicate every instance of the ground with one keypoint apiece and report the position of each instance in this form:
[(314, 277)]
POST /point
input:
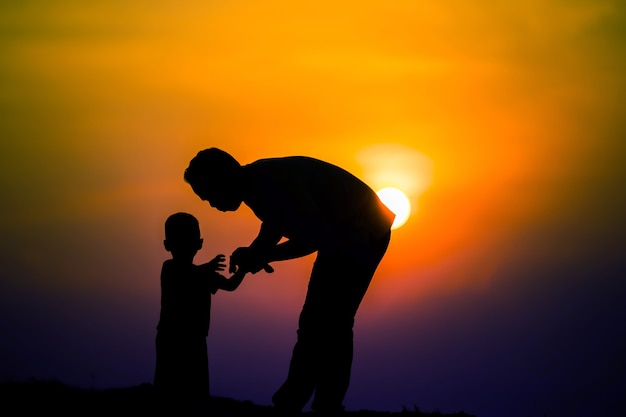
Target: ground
[(55, 397)]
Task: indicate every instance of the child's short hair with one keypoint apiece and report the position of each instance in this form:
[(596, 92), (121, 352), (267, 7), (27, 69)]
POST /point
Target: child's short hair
[(182, 226)]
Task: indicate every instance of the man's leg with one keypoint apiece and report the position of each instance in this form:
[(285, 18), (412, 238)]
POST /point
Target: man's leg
[(322, 357), (305, 360), (345, 288), (345, 284), (297, 389)]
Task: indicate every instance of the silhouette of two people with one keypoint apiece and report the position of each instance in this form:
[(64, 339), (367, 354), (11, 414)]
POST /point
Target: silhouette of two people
[(305, 205)]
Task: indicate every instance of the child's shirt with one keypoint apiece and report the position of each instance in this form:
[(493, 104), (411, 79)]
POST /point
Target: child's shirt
[(186, 299)]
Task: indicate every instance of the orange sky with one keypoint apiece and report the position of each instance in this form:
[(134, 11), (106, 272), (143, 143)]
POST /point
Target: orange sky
[(495, 117)]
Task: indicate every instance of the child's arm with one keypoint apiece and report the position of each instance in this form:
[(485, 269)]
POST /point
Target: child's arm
[(232, 283)]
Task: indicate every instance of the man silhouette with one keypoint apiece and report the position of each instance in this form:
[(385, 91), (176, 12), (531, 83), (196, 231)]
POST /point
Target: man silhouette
[(305, 205)]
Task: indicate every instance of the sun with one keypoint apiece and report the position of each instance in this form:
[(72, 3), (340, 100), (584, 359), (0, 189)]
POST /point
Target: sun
[(397, 202), (398, 172)]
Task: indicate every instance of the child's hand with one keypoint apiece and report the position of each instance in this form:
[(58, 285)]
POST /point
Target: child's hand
[(217, 264)]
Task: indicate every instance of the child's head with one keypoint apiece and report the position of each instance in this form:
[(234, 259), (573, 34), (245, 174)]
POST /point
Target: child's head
[(182, 235)]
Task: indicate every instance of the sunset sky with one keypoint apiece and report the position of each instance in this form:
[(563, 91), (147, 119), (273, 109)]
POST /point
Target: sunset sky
[(503, 122)]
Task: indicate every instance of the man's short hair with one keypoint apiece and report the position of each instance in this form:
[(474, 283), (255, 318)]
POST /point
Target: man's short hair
[(210, 165)]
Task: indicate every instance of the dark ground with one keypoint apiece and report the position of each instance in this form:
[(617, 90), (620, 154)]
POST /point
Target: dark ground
[(53, 397)]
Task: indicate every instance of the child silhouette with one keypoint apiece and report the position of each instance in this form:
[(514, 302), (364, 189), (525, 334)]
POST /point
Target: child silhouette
[(182, 366)]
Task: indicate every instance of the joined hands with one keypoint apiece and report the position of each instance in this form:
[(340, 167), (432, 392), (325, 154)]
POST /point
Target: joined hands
[(247, 259)]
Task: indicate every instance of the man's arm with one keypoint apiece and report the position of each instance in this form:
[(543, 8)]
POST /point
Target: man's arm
[(266, 247), (267, 237), (289, 249), (251, 258)]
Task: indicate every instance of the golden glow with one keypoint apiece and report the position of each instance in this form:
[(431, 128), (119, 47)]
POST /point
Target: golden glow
[(398, 166), (397, 202), (400, 173), (455, 106)]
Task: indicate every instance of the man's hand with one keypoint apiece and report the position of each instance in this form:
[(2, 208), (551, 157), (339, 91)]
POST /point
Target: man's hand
[(248, 260)]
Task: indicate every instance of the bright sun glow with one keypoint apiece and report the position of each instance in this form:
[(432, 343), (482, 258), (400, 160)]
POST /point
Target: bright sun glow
[(397, 202)]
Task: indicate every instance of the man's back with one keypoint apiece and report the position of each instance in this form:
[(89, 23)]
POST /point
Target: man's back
[(291, 191)]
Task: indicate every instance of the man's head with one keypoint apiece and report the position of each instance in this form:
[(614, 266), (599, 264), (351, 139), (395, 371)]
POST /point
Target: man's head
[(182, 235), (214, 176)]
